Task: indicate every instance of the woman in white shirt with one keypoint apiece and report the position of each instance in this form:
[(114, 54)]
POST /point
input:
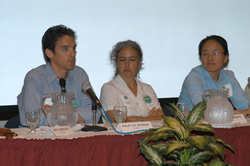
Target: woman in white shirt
[(126, 90)]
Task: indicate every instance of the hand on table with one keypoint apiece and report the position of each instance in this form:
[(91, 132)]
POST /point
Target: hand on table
[(133, 119), (156, 112)]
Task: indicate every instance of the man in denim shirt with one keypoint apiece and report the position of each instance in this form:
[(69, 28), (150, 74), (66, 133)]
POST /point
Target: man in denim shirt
[(59, 50)]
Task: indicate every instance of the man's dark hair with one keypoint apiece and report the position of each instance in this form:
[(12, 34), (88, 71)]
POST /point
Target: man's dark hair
[(52, 35)]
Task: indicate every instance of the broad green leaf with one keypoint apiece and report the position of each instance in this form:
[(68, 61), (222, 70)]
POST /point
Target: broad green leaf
[(198, 158), (159, 136), (224, 143), (178, 114), (197, 113), (217, 163), (199, 141), (216, 148), (174, 155), (163, 129), (160, 147), (202, 127), (176, 126), (147, 139), (229, 164), (151, 154), (175, 146), (171, 163), (146, 132)]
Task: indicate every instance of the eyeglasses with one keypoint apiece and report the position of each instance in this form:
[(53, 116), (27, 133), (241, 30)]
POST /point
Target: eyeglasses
[(62, 83), (214, 54)]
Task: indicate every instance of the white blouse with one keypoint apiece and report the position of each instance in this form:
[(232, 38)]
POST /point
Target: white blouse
[(117, 93)]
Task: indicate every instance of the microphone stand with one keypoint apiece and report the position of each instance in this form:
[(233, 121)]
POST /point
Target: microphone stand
[(94, 127)]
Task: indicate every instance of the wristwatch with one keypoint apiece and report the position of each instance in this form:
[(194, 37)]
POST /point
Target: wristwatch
[(142, 119)]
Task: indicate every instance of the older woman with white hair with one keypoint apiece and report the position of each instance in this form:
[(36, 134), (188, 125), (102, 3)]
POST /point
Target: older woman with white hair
[(126, 90)]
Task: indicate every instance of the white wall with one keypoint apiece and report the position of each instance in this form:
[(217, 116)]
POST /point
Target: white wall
[(168, 31)]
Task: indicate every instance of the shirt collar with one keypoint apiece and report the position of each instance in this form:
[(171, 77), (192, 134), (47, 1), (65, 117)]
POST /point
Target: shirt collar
[(52, 76), (207, 75), (120, 82), (50, 73)]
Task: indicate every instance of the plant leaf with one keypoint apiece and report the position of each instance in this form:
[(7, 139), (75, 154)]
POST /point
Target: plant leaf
[(217, 163), (216, 148), (174, 155), (146, 132), (175, 146), (151, 154), (160, 136), (199, 141), (160, 147), (198, 158), (163, 129), (202, 127), (197, 113), (177, 112), (176, 126), (224, 143), (171, 163)]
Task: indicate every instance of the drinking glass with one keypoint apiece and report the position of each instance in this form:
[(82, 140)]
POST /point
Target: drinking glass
[(32, 119), (120, 113), (184, 107)]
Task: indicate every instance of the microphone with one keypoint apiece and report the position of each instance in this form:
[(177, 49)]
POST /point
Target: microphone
[(86, 87)]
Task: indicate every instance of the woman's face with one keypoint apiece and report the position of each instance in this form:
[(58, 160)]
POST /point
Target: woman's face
[(128, 62), (212, 56)]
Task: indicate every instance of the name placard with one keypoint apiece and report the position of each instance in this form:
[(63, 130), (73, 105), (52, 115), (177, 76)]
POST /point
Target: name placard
[(62, 130), (133, 126), (239, 118)]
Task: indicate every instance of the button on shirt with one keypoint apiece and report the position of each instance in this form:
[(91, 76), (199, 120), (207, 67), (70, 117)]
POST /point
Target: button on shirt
[(117, 93), (199, 80), (42, 80)]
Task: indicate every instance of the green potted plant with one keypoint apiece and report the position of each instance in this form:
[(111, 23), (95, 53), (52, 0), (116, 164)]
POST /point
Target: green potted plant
[(173, 143)]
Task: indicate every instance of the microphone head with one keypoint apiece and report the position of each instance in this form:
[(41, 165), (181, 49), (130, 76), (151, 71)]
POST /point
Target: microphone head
[(85, 86)]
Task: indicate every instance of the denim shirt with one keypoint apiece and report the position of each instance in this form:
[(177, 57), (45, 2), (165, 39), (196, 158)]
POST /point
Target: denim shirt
[(43, 80), (199, 80)]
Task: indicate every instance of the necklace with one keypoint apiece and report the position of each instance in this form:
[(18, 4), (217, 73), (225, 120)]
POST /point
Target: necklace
[(62, 83)]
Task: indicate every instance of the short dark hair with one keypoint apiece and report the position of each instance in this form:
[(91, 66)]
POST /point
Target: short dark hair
[(52, 35), (219, 39), (119, 46)]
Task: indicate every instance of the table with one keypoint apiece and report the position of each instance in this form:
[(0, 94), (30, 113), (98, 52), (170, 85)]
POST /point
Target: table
[(238, 138), (104, 150)]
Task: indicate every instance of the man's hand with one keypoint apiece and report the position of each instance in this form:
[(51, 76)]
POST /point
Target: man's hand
[(156, 112), (47, 107)]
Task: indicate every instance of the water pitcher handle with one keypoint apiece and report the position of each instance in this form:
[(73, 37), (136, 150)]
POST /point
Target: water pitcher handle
[(205, 97), (42, 101)]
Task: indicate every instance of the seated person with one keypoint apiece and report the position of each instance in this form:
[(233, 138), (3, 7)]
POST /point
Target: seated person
[(59, 50), (126, 90), (247, 88), (213, 53)]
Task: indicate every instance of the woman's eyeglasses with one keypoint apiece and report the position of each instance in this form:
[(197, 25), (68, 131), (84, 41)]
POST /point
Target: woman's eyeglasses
[(214, 54)]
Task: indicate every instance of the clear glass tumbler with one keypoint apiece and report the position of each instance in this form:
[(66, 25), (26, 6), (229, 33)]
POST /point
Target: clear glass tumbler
[(184, 108), (32, 118), (120, 113)]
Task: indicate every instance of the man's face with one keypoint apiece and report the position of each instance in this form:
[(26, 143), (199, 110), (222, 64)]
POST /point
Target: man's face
[(64, 56)]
